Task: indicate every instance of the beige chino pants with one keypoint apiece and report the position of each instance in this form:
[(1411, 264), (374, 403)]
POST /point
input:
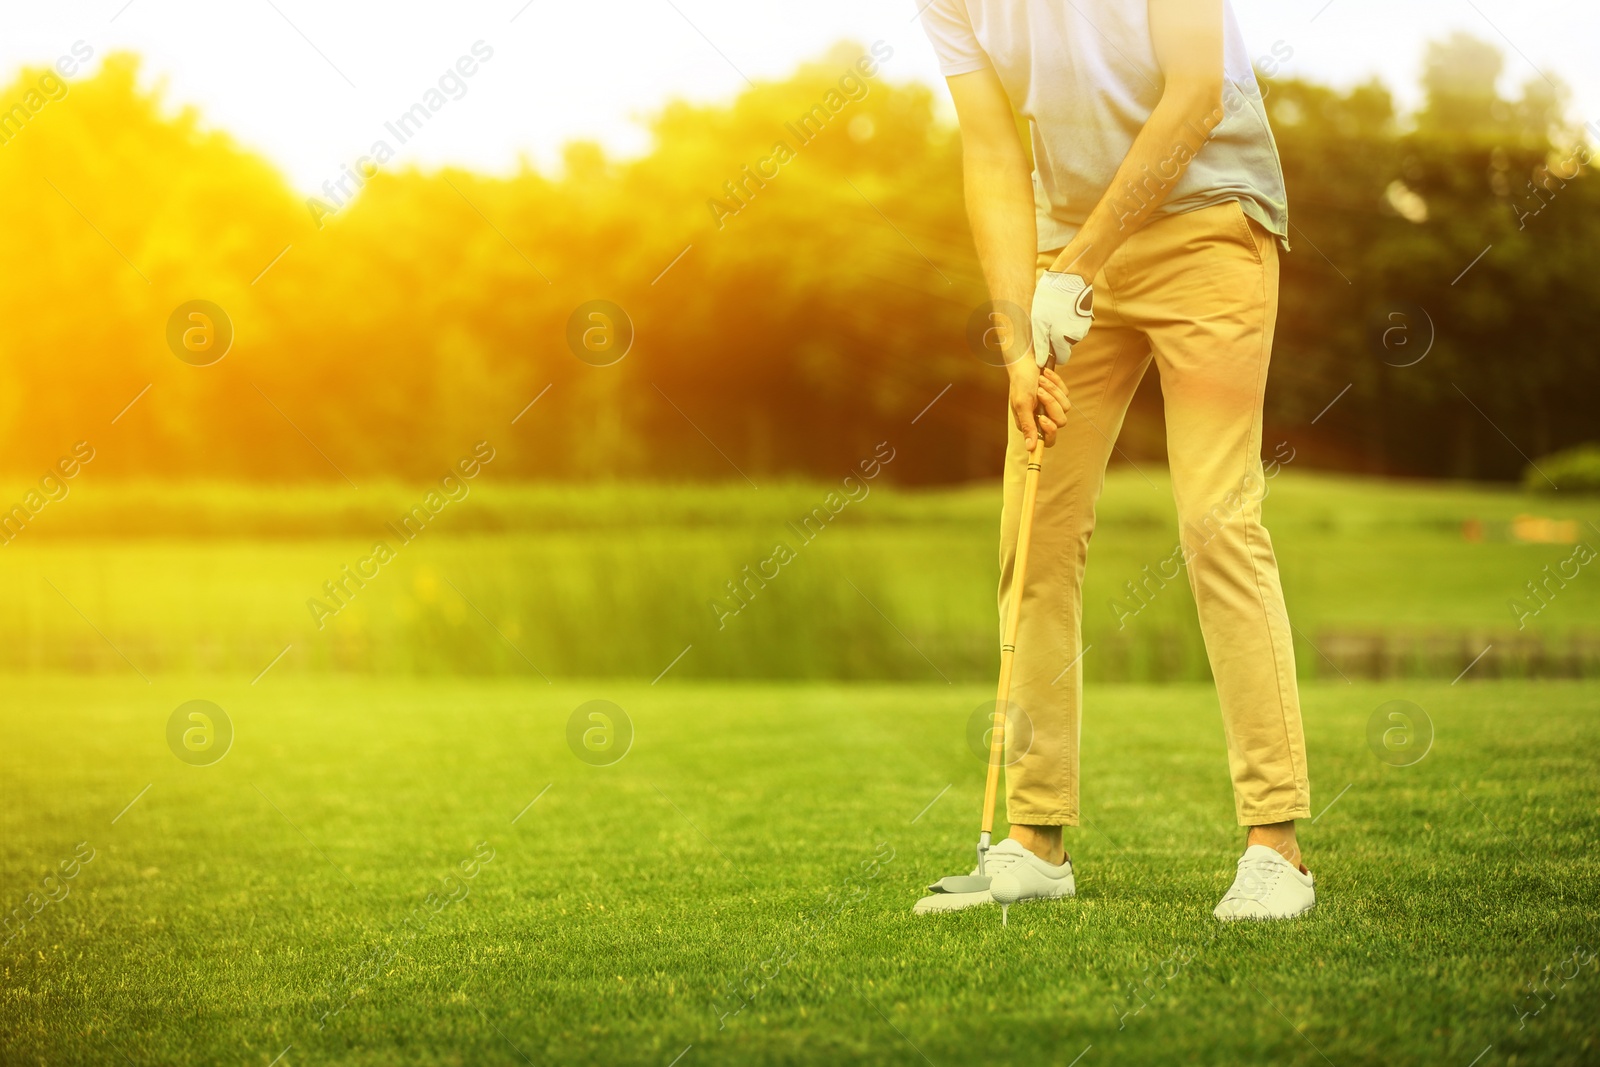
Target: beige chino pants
[(1198, 293)]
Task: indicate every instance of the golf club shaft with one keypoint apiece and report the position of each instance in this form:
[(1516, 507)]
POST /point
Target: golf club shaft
[(1008, 646)]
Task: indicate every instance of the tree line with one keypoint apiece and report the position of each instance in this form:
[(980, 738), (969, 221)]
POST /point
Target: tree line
[(611, 319)]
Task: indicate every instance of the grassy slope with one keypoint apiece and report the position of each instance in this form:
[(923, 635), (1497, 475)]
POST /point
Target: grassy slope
[(629, 896), (546, 563)]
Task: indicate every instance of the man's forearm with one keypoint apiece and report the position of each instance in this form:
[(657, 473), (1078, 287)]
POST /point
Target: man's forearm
[(1177, 129), (999, 194)]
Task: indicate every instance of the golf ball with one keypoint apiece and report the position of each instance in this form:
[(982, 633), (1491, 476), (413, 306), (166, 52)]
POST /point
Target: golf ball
[(1005, 889)]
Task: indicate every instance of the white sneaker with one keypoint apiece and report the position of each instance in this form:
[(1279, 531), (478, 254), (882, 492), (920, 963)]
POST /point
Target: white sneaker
[(1267, 887), (1035, 880)]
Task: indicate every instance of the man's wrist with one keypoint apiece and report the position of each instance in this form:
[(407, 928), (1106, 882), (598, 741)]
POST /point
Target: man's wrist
[(1022, 364), (1079, 260), (1009, 309)]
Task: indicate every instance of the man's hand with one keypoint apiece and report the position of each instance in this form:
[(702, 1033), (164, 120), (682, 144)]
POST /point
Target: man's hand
[(1039, 402), (1063, 311)]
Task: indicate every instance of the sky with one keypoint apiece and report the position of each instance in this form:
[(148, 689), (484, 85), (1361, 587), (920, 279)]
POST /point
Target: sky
[(311, 83)]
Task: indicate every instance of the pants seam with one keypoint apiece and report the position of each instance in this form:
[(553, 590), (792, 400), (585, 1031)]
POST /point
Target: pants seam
[(1105, 391), (1296, 769)]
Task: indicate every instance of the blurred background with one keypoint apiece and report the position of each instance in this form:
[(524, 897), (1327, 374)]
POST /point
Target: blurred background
[(397, 228)]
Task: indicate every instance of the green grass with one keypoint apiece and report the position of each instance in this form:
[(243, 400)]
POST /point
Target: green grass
[(616, 580), (222, 908)]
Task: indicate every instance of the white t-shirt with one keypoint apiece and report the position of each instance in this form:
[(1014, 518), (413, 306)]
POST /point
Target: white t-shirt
[(1085, 75)]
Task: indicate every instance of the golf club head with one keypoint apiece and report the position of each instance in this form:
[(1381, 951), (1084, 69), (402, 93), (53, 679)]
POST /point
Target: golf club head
[(962, 883)]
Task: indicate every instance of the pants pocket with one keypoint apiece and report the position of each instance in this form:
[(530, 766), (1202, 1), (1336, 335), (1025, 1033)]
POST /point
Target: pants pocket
[(1248, 232)]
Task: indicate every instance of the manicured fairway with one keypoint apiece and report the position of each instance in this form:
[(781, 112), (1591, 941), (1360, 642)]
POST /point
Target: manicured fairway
[(761, 846)]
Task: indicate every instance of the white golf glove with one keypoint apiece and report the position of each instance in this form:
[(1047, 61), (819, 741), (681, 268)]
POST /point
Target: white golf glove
[(1063, 311)]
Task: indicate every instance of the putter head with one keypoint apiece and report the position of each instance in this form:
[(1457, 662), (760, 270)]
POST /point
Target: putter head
[(983, 848)]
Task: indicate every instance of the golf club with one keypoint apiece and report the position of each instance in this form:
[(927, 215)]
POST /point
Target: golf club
[(1008, 648)]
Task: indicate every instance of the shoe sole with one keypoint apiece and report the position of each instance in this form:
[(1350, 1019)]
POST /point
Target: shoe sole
[(1262, 918)]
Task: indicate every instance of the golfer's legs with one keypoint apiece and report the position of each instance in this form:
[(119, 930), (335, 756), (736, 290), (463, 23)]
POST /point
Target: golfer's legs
[(1204, 286), (1042, 784)]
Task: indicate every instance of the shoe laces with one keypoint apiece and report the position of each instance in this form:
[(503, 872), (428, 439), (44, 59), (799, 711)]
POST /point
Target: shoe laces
[(995, 862), (1256, 878)]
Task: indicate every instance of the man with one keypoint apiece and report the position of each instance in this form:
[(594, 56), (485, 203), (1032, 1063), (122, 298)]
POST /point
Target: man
[(1153, 213)]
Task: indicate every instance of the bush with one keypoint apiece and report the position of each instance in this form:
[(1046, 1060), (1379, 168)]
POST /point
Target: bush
[(1575, 469)]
